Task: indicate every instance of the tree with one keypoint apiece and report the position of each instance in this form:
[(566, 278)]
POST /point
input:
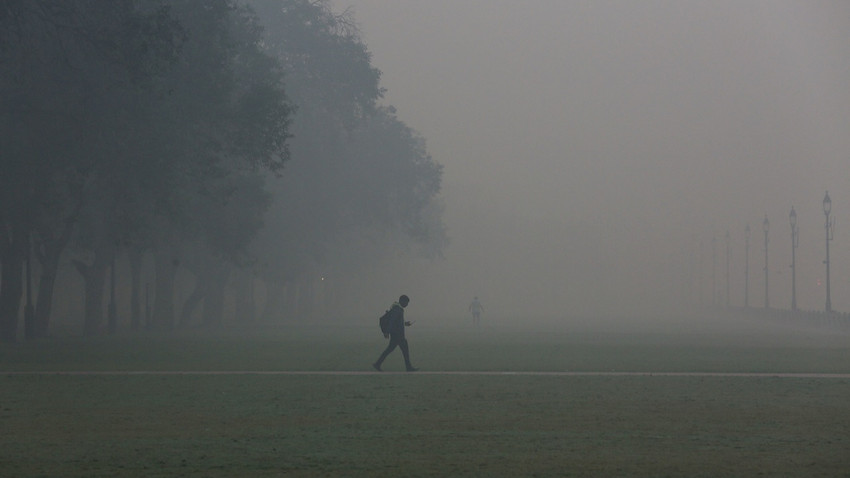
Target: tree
[(230, 224), (229, 118), (356, 167), (60, 64), (148, 115)]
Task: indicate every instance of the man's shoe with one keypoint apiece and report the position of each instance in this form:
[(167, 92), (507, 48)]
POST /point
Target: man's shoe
[(412, 369), (376, 367)]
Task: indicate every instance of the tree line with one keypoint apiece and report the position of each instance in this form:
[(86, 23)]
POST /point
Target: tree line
[(220, 137)]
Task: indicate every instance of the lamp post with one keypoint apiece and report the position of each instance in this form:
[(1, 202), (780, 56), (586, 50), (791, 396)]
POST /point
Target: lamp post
[(827, 207), (747, 266), (727, 269), (766, 227), (713, 271), (794, 244), (700, 278)]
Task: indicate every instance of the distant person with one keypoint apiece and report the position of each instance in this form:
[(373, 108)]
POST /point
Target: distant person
[(476, 308), (396, 332)]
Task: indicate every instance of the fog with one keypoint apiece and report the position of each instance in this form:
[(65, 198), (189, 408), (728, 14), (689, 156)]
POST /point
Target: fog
[(562, 158), (593, 150)]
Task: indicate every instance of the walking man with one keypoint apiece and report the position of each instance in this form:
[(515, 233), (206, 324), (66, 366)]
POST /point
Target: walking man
[(396, 328), (476, 308)]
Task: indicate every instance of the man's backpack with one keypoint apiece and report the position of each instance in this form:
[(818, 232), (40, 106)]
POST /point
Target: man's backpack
[(384, 322)]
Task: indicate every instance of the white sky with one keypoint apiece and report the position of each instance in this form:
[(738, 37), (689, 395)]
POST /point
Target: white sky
[(591, 146)]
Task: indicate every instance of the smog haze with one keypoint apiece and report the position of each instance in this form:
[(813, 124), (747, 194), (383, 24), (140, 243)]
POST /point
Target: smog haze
[(596, 153)]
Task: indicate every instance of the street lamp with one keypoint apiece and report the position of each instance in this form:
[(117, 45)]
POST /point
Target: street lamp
[(766, 227), (794, 243), (830, 224), (747, 266), (713, 271), (727, 269)]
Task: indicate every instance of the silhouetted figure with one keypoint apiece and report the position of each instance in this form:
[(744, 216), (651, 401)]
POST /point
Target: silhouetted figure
[(476, 308), (397, 325)]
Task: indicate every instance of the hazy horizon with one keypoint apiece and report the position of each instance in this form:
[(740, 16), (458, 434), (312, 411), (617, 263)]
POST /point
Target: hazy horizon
[(592, 150)]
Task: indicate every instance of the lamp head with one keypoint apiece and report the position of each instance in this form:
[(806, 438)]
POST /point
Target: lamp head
[(827, 204)]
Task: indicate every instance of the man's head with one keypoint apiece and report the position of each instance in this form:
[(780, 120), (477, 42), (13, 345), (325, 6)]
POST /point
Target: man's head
[(403, 300)]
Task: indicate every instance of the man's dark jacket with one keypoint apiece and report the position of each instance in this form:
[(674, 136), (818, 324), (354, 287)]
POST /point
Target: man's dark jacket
[(396, 321)]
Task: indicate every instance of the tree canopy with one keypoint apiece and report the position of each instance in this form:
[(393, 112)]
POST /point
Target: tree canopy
[(251, 131)]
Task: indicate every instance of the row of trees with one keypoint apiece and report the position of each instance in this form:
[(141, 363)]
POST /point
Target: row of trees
[(161, 129)]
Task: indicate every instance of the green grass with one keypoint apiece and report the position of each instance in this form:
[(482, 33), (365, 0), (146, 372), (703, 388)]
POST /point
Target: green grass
[(430, 425)]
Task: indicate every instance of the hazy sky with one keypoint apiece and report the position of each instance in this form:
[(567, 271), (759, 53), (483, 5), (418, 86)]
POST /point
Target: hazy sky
[(590, 147)]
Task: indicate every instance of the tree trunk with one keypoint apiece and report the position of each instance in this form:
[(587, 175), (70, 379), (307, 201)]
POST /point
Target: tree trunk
[(94, 277), (13, 245), (11, 293), (48, 249), (48, 252), (166, 265), (199, 294), (94, 281), (135, 255), (44, 301), (214, 302)]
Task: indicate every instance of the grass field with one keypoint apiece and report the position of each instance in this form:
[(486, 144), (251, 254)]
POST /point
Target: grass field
[(432, 424)]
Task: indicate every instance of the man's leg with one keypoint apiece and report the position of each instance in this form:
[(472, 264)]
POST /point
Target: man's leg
[(392, 345), (405, 350)]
